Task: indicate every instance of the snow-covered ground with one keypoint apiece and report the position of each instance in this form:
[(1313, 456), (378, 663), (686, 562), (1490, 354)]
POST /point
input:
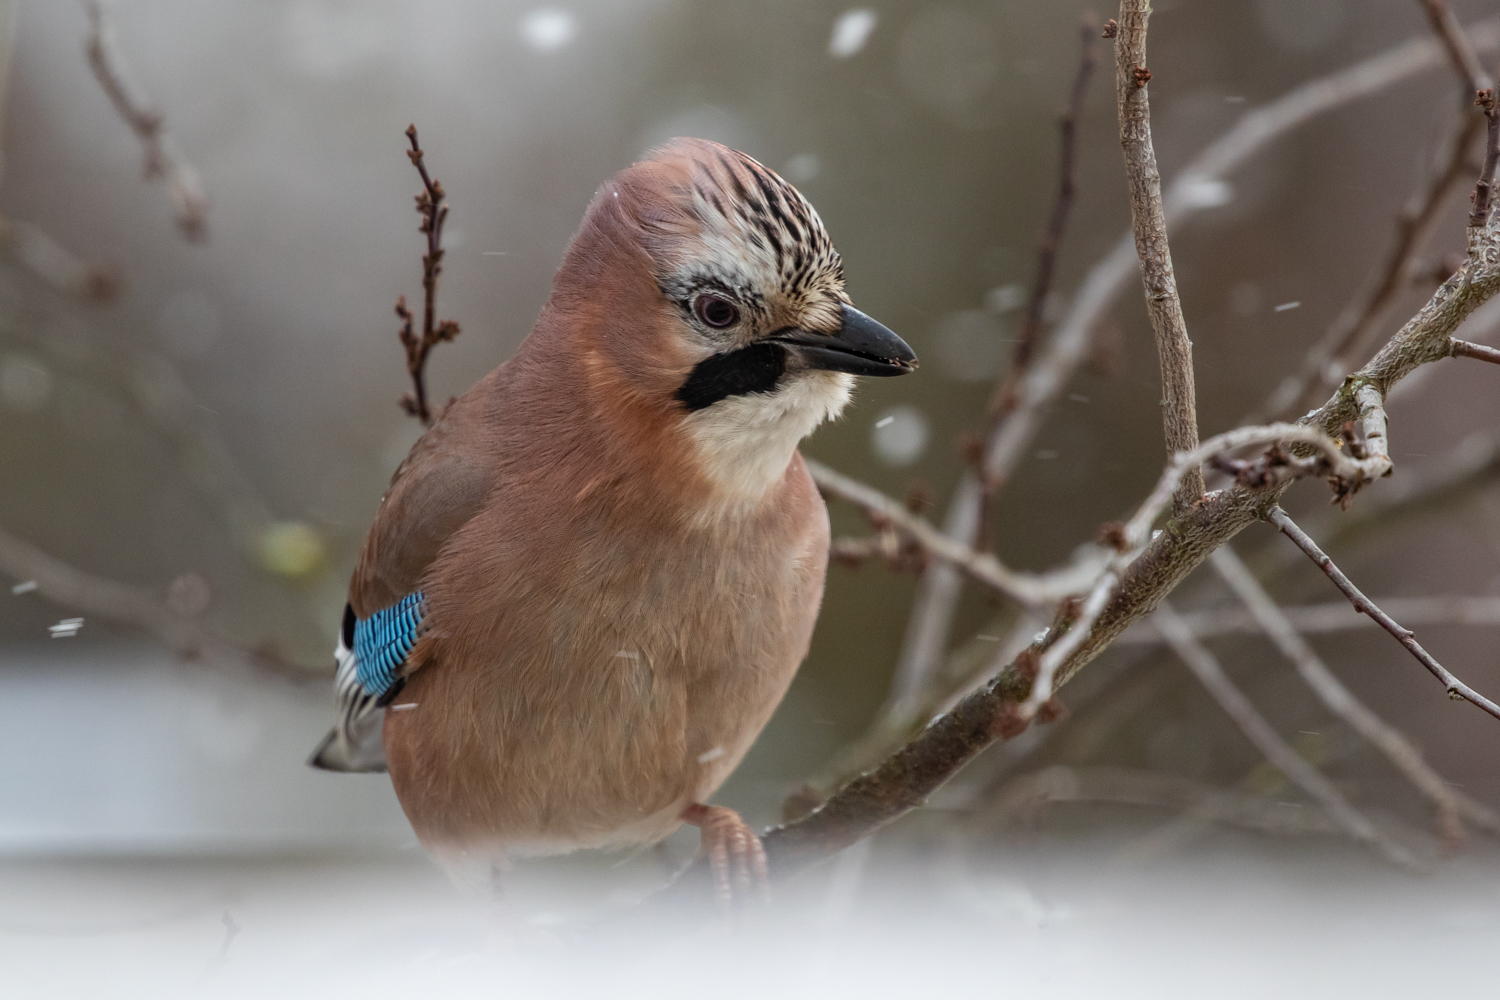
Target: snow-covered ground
[(1064, 917)]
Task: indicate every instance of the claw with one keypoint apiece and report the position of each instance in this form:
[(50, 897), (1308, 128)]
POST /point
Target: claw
[(736, 858)]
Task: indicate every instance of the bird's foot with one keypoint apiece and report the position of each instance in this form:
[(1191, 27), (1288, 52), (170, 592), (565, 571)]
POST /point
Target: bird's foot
[(736, 858)]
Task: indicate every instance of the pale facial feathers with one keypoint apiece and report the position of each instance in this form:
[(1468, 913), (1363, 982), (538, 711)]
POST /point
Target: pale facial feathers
[(748, 236), (745, 443)]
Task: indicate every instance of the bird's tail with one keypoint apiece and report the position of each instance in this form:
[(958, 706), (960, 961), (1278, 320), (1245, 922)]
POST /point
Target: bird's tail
[(353, 744), (363, 754)]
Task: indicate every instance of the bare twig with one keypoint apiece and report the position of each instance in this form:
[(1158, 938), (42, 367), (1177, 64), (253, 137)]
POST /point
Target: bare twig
[(1350, 331), (117, 602), (1002, 398), (1470, 464), (1457, 689), (1372, 443), (184, 185), (1175, 351), (904, 779), (1479, 352), (1022, 796), (1341, 701), (1465, 63), (1260, 732), (1026, 588), (933, 610), (1321, 619), (433, 208), (1346, 471), (1484, 188), (44, 257)]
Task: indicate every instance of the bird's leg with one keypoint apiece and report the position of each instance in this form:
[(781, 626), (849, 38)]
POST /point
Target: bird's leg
[(735, 855)]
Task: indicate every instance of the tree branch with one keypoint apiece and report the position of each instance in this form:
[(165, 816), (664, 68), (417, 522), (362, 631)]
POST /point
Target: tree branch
[(184, 185), (1002, 399), (43, 256), (1341, 701), (1175, 351), (108, 599), (1479, 352), (433, 208), (1205, 666), (1484, 188), (1027, 588), (937, 597), (1319, 619), (1465, 63), (1351, 330), (1022, 796), (1457, 689), (904, 779)]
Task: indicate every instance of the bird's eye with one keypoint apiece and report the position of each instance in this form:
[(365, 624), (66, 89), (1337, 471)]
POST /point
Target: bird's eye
[(715, 311)]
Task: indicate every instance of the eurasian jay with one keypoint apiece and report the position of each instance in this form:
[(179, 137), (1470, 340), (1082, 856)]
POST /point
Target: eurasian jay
[(592, 580)]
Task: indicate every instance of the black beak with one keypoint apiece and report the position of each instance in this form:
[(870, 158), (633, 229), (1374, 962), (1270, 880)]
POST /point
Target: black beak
[(861, 347)]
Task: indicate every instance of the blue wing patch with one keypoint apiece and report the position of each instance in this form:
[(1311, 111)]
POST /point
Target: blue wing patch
[(382, 641)]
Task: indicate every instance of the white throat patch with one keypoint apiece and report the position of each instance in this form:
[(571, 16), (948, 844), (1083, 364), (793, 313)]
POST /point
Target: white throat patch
[(745, 443)]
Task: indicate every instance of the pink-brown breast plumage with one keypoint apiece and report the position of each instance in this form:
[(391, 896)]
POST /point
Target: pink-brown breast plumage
[(609, 553), (599, 653)]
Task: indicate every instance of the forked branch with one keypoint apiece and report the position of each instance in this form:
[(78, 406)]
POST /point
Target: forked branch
[(1175, 351), (433, 207)]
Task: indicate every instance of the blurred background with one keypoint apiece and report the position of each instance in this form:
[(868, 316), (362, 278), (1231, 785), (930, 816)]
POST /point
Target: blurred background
[(211, 423)]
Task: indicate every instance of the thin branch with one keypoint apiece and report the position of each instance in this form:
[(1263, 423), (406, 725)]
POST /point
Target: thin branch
[(1457, 689), (111, 600), (1352, 328), (433, 208), (1465, 63), (1350, 331), (1175, 351), (1045, 664), (1026, 588), (1002, 399), (937, 597), (1341, 701), (1346, 471), (43, 256), (1232, 700), (1322, 619), (1484, 188), (1372, 443), (903, 780), (1022, 796), (184, 185), (1415, 490), (1479, 352)]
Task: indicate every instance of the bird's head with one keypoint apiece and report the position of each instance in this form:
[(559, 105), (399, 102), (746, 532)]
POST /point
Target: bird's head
[(719, 299)]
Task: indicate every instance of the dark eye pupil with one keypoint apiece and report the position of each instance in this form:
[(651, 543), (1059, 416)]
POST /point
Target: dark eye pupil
[(716, 312)]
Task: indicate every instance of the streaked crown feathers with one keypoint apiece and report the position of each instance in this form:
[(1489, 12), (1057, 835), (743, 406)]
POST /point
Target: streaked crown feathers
[(711, 216)]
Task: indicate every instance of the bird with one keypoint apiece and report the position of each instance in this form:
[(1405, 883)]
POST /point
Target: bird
[(593, 578)]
